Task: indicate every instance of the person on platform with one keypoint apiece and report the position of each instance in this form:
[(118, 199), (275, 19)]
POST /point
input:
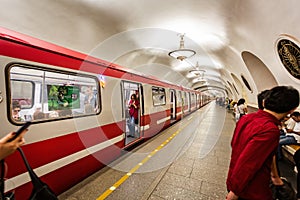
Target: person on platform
[(254, 144)]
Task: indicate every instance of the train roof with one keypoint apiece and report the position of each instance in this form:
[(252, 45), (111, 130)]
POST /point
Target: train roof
[(15, 37)]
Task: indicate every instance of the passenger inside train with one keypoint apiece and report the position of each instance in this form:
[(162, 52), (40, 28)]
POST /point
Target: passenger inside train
[(134, 106), (38, 114), (90, 100), (16, 109)]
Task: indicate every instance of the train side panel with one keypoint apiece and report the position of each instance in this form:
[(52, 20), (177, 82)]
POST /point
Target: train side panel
[(74, 136)]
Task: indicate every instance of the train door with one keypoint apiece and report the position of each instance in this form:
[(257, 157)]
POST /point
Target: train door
[(193, 101), (197, 101), (184, 103), (189, 101), (132, 105), (172, 105), (180, 103)]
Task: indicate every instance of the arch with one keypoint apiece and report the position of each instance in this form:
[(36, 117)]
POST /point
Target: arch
[(262, 76)]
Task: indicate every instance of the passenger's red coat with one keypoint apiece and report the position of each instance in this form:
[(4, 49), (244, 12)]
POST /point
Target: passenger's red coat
[(254, 143), (132, 110)]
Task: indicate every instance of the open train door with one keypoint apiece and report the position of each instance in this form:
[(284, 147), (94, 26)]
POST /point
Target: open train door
[(142, 110), (132, 127), (172, 105)]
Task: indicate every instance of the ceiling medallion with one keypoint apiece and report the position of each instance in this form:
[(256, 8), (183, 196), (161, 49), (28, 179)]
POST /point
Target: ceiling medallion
[(289, 54)]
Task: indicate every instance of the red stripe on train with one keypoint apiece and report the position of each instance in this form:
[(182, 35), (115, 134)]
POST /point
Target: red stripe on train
[(47, 151), (44, 152), (64, 178)]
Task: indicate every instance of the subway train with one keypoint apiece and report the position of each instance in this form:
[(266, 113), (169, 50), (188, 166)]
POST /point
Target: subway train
[(78, 106)]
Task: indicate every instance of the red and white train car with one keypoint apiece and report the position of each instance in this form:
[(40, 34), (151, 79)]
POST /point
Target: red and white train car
[(73, 138)]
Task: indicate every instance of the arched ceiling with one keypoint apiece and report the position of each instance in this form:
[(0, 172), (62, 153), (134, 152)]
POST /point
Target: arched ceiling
[(139, 35)]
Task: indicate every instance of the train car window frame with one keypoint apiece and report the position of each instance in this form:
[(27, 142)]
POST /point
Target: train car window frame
[(26, 101), (57, 94), (158, 96)]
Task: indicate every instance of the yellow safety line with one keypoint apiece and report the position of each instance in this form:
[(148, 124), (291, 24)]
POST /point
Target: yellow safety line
[(126, 176)]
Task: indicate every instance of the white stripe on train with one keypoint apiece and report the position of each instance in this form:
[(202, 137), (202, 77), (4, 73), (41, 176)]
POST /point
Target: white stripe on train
[(45, 169)]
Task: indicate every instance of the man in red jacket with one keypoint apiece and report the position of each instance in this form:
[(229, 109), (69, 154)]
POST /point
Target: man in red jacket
[(254, 144)]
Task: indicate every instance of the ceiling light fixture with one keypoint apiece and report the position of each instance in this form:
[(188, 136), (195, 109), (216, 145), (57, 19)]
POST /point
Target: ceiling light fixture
[(182, 53), (197, 71)]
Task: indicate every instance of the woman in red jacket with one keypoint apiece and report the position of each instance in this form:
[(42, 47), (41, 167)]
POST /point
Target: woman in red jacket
[(134, 105)]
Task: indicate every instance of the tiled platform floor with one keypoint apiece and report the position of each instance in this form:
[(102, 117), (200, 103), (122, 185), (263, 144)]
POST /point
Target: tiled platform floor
[(193, 164)]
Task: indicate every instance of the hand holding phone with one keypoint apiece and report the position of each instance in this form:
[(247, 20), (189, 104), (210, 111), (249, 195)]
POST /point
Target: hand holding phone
[(20, 130)]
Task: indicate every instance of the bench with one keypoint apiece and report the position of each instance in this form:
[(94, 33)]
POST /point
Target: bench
[(289, 151)]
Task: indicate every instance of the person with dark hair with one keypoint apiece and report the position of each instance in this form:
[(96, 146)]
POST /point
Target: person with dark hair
[(260, 98), (240, 109), (134, 114), (16, 108), (249, 175)]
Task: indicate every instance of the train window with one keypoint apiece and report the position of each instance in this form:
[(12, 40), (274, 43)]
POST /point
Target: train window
[(43, 94), (158, 96), (22, 92)]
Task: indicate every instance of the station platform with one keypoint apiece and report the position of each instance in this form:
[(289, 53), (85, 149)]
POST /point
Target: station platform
[(189, 160)]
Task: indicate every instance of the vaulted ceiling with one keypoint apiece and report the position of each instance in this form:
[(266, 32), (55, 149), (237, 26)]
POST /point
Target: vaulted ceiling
[(234, 40)]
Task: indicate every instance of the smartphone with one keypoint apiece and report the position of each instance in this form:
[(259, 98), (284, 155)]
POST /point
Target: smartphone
[(20, 130)]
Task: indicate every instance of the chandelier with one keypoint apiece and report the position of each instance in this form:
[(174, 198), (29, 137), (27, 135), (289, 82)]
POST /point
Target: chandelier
[(182, 53), (197, 72)]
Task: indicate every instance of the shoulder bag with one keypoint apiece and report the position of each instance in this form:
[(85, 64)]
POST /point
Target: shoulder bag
[(10, 194), (41, 190)]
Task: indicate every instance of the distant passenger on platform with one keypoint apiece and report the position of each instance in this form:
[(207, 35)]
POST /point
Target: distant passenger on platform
[(254, 144), (228, 102), (133, 113), (240, 109)]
